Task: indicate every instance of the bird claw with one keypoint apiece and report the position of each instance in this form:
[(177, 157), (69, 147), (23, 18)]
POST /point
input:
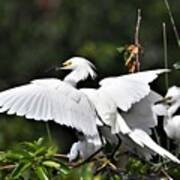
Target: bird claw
[(106, 163)]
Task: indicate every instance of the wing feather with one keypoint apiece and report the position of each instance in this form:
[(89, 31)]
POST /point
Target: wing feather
[(51, 99), (149, 143), (129, 89), (141, 115)]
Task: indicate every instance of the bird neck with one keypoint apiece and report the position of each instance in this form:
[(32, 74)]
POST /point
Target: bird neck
[(166, 120), (76, 76), (173, 109)]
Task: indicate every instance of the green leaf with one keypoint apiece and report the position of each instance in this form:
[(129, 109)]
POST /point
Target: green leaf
[(33, 146), (176, 66), (2, 156), (41, 150), (51, 151), (179, 43), (120, 49), (13, 155), (40, 141), (17, 172), (30, 146), (51, 164), (64, 169), (40, 172)]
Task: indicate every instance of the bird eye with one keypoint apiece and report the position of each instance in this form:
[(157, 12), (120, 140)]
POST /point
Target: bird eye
[(169, 103), (169, 98)]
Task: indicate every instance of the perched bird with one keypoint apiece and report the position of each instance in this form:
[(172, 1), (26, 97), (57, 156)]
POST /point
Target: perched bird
[(169, 107), (84, 109), (53, 99), (133, 125)]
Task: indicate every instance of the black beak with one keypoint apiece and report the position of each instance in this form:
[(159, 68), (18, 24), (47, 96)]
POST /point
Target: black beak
[(164, 100), (52, 68)]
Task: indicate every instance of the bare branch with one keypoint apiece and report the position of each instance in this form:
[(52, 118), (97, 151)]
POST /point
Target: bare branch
[(9, 166), (172, 22), (136, 38)]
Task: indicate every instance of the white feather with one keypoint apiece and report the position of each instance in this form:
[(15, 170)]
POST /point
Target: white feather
[(85, 148), (127, 90), (149, 143), (51, 99), (141, 115)]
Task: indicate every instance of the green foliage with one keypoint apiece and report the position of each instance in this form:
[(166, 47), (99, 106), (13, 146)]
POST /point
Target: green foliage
[(32, 159), (38, 160), (35, 35), (136, 167), (177, 66)]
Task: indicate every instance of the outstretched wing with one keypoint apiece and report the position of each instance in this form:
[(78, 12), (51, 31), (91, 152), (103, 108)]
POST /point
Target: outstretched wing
[(141, 115), (129, 89), (51, 99)]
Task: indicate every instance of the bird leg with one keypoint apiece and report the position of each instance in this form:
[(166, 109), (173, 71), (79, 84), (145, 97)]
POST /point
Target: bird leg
[(116, 147), (177, 149), (89, 158), (101, 137)]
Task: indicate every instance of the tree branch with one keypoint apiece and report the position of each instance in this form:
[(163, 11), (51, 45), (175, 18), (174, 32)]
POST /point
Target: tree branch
[(136, 38)]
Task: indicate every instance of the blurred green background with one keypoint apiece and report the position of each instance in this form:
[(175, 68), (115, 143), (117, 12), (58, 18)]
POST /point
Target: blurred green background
[(35, 35)]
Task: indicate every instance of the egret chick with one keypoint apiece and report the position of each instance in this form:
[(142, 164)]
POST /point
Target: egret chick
[(169, 108), (133, 126)]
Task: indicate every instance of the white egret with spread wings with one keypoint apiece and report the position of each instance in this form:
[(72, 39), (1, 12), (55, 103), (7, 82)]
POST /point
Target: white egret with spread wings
[(62, 102)]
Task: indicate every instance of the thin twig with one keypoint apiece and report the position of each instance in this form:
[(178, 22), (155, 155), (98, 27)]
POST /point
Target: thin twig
[(10, 166), (88, 159), (166, 66), (48, 132), (64, 156), (136, 38), (166, 174), (165, 55), (172, 22)]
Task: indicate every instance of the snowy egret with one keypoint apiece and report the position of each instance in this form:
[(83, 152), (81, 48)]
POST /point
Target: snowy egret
[(53, 99), (169, 108), (132, 125)]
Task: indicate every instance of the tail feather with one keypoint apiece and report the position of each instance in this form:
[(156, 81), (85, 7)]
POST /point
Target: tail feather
[(141, 136), (120, 126)]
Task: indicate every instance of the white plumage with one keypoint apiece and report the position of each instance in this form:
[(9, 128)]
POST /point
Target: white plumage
[(141, 115), (53, 99), (148, 146), (85, 148), (133, 126), (168, 107), (60, 101), (126, 90)]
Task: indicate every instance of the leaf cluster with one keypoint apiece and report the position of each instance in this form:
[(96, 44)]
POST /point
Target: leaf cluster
[(32, 159)]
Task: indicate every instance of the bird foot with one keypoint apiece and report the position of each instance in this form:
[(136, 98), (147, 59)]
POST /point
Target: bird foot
[(106, 163)]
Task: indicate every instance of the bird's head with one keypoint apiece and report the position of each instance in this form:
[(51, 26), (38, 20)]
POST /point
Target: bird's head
[(80, 64), (172, 96)]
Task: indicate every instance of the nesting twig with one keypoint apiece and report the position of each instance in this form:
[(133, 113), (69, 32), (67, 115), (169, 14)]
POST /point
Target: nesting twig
[(136, 38), (88, 159), (172, 22)]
